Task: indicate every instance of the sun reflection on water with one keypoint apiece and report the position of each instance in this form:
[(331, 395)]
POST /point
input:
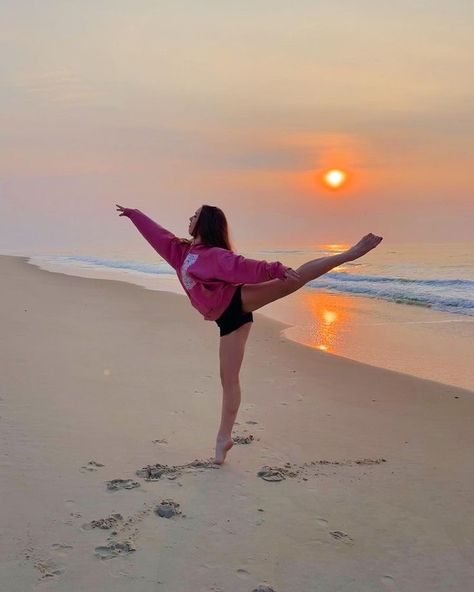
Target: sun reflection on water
[(336, 247), (329, 320)]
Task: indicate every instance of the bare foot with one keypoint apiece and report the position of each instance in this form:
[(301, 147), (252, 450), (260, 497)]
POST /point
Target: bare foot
[(366, 244), (222, 448)]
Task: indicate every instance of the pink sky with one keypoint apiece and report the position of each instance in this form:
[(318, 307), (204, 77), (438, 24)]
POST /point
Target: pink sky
[(165, 106)]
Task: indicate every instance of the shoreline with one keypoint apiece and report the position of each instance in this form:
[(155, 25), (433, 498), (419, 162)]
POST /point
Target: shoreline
[(361, 340)]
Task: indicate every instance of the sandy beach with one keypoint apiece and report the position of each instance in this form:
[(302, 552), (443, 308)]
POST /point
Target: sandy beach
[(353, 478)]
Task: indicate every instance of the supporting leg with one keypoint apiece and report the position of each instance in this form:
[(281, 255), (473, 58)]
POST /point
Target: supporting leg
[(231, 354)]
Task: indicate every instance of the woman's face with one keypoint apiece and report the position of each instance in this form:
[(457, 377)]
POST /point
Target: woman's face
[(193, 220)]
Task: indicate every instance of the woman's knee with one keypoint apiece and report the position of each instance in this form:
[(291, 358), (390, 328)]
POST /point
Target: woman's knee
[(230, 381)]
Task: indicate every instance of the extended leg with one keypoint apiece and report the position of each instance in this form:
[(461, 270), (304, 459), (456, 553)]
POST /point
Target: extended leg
[(231, 354), (255, 296)]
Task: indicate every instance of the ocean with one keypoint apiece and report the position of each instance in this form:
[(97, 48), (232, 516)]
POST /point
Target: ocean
[(404, 307)]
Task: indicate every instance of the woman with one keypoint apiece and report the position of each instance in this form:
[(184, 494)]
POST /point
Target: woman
[(227, 288)]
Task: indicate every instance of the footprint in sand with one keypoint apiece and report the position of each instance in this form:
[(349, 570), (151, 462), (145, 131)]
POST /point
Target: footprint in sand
[(71, 505), (121, 541), (61, 549), (243, 439), (155, 472), (250, 422), (48, 569), (339, 535), (117, 484), (92, 465), (274, 474), (311, 469), (114, 549), (389, 584), (104, 523), (168, 509), (263, 588), (322, 521), (75, 515), (271, 474), (243, 574)]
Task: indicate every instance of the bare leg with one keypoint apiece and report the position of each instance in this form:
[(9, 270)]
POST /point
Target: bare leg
[(313, 269), (317, 267), (231, 354), (254, 296)]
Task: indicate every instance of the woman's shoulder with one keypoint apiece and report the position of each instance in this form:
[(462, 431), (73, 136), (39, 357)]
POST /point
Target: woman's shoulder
[(216, 251)]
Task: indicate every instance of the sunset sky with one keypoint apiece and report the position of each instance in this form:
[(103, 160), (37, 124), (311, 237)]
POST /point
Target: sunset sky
[(242, 104)]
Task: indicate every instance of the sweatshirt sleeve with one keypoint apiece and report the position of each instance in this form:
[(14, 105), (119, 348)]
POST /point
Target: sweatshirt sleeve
[(221, 264), (163, 241)]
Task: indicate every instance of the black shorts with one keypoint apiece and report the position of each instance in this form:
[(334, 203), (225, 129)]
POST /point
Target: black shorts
[(233, 317)]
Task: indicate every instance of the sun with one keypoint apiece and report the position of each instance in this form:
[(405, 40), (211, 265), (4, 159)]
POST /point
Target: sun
[(335, 178)]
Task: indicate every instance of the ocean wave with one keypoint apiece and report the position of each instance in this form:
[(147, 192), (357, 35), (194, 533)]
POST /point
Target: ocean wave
[(161, 268), (449, 295)]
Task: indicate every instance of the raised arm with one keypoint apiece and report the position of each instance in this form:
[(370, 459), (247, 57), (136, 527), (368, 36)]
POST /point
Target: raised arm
[(163, 241)]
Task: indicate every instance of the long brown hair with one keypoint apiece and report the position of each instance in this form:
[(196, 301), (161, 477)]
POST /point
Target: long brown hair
[(212, 227)]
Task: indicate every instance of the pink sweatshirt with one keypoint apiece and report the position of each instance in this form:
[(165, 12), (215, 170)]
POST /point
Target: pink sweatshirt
[(209, 275)]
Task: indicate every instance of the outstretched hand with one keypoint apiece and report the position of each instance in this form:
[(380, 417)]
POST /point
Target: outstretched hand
[(121, 209)]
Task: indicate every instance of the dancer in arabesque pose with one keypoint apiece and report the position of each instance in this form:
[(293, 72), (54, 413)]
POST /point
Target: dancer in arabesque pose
[(226, 288)]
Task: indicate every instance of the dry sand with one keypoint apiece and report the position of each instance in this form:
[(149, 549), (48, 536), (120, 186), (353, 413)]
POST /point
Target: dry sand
[(354, 478)]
